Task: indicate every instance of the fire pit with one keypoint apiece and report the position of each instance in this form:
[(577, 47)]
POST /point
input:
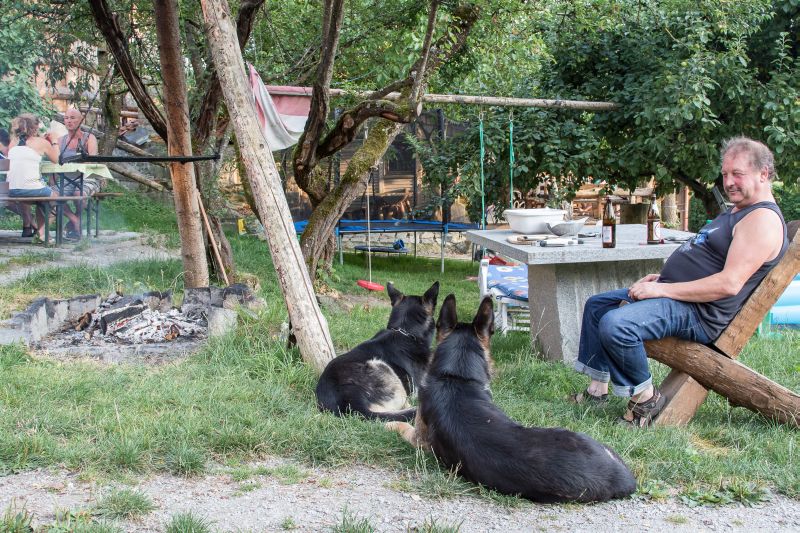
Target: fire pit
[(117, 326)]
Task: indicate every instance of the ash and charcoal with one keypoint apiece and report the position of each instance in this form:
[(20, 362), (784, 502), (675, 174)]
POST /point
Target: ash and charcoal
[(138, 320), (118, 325)]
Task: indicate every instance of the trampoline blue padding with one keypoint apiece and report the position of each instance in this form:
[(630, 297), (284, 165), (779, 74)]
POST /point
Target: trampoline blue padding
[(392, 226), (786, 310)]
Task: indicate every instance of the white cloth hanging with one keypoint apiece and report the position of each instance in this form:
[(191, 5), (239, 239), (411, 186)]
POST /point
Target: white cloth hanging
[(282, 118)]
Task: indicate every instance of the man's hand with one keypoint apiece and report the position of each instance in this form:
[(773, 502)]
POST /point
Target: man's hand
[(649, 277), (645, 288)]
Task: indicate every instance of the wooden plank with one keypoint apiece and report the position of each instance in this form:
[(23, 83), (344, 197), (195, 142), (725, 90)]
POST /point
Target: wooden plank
[(742, 385)]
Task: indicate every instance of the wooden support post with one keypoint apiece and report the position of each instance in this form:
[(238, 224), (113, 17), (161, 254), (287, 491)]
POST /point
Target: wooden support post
[(193, 250), (309, 325)]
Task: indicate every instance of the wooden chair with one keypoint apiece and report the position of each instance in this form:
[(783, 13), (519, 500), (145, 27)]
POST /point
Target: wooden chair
[(699, 367)]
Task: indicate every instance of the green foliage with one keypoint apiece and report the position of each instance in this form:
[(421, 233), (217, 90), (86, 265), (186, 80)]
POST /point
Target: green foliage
[(20, 50), (788, 198), (686, 75), (748, 494)]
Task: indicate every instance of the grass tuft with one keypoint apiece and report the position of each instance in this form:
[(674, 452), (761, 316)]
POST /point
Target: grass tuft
[(188, 523), (350, 523), (184, 460), (16, 520), (124, 503), (432, 526)]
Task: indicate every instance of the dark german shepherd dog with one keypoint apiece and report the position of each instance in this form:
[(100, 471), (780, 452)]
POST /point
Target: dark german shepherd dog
[(468, 432), (376, 377)]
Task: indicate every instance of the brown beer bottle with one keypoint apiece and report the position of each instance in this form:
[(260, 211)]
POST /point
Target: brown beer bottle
[(653, 222), (609, 225)]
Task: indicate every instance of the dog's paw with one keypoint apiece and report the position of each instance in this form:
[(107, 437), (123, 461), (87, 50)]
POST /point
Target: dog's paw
[(399, 427)]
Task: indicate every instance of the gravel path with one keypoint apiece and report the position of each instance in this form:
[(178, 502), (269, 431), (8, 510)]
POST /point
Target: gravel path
[(110, 247), (318, 500)]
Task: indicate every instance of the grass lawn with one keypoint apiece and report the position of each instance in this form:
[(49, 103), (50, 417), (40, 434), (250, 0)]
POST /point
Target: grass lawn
[(245, 395)]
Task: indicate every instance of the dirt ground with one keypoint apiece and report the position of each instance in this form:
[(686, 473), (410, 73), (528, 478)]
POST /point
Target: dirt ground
[(320, 498)]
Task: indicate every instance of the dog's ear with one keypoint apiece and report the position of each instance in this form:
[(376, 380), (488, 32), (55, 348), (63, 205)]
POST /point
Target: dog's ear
[(448, 319), (430, 296), (394, 295), (484, 318)]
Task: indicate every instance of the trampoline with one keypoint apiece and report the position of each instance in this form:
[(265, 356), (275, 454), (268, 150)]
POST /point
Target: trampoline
[(351, 227)]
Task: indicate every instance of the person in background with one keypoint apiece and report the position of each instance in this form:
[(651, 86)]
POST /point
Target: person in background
[(700, 289), (25, 154), (5, 139), (77, 142)]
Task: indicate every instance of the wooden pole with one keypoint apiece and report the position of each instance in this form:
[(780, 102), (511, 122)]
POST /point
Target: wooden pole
[(309, 325), (193, 250), (211, 238), (131, 174), (500, 101)]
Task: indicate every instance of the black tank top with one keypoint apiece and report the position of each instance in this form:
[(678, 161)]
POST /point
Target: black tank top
[(705, 255)]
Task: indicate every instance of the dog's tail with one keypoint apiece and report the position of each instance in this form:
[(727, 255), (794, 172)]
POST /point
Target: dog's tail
[(405, 415)]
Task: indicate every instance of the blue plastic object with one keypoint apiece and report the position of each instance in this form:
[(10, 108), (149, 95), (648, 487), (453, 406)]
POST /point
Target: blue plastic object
[(786, 311)]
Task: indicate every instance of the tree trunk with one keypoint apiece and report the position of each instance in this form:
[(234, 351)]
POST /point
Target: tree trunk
[(310, 326), (316, 237), (112, 105), (180, 144), (669, 210)]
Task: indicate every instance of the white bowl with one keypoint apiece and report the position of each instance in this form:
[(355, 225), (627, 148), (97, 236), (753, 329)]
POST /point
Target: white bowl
[(533, 220), (568, 228)]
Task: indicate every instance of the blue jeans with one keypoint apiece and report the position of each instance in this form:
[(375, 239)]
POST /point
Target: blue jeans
[(612, 337)]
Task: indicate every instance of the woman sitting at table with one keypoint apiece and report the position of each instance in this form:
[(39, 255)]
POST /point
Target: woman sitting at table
[(24, 177)]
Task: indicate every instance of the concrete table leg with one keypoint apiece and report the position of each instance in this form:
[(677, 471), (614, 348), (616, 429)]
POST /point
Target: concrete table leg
[(557, 293)]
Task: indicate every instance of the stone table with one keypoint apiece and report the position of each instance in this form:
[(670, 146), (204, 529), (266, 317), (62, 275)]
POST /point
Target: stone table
[(561, 279)]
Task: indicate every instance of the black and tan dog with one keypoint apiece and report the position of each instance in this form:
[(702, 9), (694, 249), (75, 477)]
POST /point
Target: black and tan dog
[(466, 431), (376, 377)]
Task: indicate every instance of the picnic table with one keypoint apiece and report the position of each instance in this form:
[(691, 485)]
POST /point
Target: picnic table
[(68, 174), (561, 279)]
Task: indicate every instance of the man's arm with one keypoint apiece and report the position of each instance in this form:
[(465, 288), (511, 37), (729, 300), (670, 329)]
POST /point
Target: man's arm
[(91, 145), (757, 238)]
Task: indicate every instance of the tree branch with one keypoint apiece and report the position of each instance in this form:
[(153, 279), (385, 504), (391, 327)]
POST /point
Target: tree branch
[(305, 153), (346, 127), (117, 43), (213, 95)]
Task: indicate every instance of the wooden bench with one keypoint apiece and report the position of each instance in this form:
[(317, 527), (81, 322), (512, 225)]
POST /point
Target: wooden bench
[(58, 200), (699, 367)]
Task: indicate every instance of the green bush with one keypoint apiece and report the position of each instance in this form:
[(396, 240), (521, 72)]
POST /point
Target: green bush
[(788, 198)]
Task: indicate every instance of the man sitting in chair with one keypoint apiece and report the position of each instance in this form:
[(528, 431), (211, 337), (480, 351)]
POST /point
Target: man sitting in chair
[(701, 287), (70, 145)]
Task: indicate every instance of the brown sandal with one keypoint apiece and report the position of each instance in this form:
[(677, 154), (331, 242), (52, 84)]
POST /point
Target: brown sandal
[(587, 398), (642, 414)]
